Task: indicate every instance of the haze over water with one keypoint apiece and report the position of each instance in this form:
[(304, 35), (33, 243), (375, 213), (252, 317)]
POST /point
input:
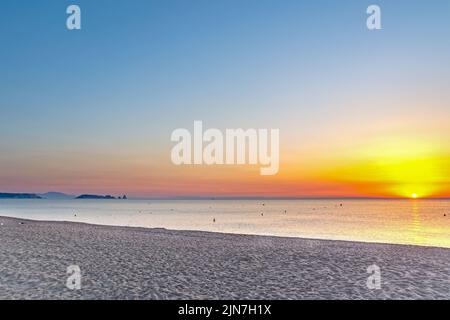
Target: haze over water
[(417, 222)]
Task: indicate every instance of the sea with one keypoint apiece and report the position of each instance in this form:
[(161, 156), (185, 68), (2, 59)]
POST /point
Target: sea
[(416, 222)]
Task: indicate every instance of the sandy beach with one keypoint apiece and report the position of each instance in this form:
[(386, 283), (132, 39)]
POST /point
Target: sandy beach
[(139, 263)]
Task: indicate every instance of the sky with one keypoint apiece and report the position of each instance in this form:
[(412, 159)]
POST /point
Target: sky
[(361, 113)]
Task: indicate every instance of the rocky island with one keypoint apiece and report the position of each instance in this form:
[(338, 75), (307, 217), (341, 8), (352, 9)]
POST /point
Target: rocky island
[(93, 196)]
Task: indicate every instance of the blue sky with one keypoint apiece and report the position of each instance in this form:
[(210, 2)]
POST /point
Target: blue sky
[(139, 69)]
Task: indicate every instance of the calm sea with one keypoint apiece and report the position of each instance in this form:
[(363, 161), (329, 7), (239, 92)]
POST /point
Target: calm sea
[(419, 222)]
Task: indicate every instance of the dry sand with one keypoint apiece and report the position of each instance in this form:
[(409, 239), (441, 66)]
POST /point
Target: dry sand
[(137, 263)]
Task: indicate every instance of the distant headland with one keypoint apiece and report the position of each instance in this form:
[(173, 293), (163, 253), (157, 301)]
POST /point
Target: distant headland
[(19, 196), (58, 196)]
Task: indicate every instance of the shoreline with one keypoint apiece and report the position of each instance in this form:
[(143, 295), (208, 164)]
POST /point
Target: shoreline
[(141, 263)]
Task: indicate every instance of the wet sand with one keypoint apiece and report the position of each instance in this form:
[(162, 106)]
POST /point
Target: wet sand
[(139, 263)]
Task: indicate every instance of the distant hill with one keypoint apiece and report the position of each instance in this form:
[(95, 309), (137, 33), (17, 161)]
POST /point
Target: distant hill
[(57, 196), (93, 196), (19, 196)]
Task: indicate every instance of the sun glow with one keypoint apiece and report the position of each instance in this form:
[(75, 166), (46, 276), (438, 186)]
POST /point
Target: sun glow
[(397, 168)]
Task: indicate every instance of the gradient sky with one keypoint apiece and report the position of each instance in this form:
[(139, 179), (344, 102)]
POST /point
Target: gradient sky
[(360, 113)]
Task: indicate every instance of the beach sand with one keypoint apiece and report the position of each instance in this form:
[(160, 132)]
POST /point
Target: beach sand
[(138, 263)]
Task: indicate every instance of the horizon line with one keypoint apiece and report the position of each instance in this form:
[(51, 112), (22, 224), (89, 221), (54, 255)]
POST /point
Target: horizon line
[(220, 197)]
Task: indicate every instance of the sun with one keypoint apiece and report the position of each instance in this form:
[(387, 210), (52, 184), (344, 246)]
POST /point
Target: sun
[(414, 196)]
